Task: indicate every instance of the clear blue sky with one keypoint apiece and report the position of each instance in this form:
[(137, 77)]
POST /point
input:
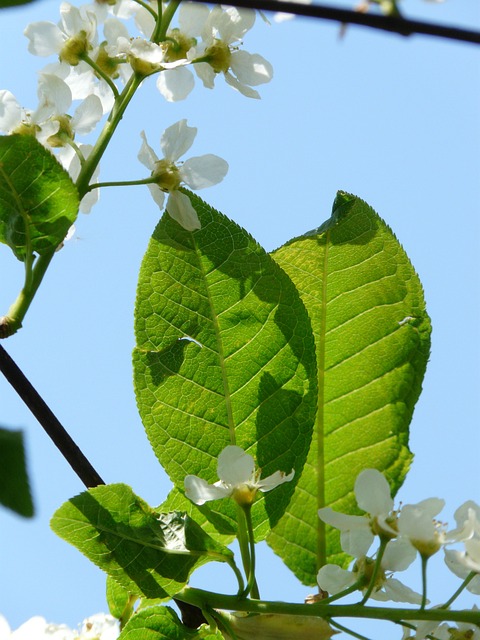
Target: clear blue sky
[(393, 120)]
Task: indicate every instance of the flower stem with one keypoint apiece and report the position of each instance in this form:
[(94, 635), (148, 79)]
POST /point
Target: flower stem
[(424, 581), (251, 587), (350, 632), (105, 136), (467, 580), (86, 58), (122, 183), (376, 570)]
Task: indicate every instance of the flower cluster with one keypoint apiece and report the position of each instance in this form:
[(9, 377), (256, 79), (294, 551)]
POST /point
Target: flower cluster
[(97, 627), (402, 533), (96, 69)]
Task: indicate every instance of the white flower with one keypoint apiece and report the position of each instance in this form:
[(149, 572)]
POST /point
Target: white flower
[(176, 81), (197, 173), (74, 36), (100, 627), (372, 492), (219, 53), (462, 563), (97, 627), (398, 556), (417, 523), (54, 99), (238, 479)]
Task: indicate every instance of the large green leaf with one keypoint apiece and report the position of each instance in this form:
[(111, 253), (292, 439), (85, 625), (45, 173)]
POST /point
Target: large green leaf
[(372, 336), (149, 554), (225, 355), (14, 485), (38, 200)]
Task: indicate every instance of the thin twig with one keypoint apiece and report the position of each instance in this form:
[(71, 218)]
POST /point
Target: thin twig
[(68, 448), (402, 26)]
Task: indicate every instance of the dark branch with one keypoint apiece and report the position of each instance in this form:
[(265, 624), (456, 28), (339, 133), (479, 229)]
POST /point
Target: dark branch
[(402, 26), (49, 421)]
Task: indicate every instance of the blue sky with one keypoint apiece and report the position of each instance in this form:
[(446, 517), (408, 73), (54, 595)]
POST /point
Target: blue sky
[(391, 119)]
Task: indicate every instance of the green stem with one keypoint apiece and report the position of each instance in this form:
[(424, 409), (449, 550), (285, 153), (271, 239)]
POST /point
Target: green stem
[(238, 575), (424, 581), (102, 74), (12, 322), (105, 136), (376, 570), (350, 632), (123, 183), (467, 580), (201, 599), (162, 25), (251, 587), (243, 541)]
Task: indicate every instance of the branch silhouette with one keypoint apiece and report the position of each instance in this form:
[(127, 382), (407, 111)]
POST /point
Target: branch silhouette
[(402, 26), (62, 440)]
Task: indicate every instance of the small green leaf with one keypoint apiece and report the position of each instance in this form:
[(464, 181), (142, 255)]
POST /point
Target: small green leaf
[(225, 355), (148, 553), (162, 623), (38, 200), (119, 600), (14, 486), (372, 337)]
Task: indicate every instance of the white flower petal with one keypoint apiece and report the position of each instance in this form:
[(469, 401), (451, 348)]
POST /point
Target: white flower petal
[(251, 68), (398, 555), (206, 74), (398, 592), (177, 139), (244, 89), (235, 467), (192, 17), (274, 480), (203, 171), (357, 542), (334, 579), (10, 111), (158, 195), (199, 491), (87, 115), (147, 155), (180, 209), (175, 84), (372, 492), (55, 97), (45, 38), (342, 521)]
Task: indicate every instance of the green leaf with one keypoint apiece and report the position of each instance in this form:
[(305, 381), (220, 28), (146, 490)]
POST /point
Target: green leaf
[(225, 355), (38, 200), (14, 485), (162, 623), (372, 336), (147, 553), (120, 601)]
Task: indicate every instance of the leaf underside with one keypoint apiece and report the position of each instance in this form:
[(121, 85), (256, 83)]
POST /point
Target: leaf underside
[(224, 355), (372, 336)]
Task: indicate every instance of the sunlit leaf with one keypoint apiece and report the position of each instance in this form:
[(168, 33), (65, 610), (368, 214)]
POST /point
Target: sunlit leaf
[(225, 355), (148, 553), (372, 337), (38, 200)]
